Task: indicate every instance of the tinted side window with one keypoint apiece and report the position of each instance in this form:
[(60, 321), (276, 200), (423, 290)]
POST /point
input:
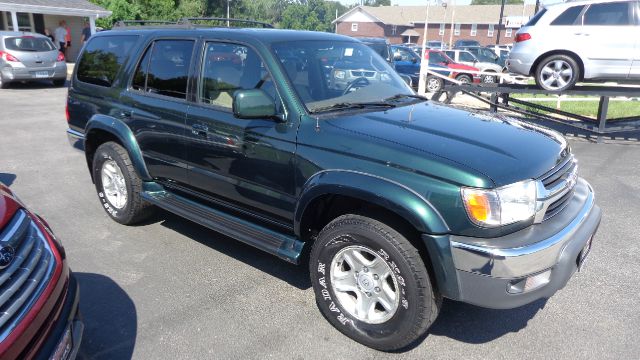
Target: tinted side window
[(140, 77), (168, 69), (103, 57), (608, 14), (569, 16), (230, 67), (465, 56)]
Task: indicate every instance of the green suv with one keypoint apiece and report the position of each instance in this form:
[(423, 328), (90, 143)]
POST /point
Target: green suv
[(393, 201)]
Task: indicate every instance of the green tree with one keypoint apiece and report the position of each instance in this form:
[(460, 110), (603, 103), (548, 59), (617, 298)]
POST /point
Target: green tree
[(496, 2), (377, 2)]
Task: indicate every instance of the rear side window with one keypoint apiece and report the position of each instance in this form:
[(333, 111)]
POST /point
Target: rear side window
[(535, 18), (164, 69), (569, 16), (468, 57), (103, 57), (28, 43), (608, 14)]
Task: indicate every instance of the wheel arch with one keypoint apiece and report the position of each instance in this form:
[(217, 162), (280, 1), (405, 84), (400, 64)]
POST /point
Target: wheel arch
[(573, 55), (101, 129)]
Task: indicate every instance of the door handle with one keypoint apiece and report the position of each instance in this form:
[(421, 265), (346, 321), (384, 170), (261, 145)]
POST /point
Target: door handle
[(200, 130)]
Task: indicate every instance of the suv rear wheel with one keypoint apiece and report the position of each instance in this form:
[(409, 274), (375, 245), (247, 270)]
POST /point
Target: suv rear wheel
[(557, 73), (371, 283), (118, 185)]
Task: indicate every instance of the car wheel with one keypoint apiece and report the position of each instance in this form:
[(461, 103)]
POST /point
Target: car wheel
[(118, 185), (557, 73), (3, 84), (434, 84), (59, 82), (464, 79), (371, 284), (489, 79)]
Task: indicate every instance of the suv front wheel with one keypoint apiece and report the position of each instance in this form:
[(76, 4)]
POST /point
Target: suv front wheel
[(371, 283), (557, 73), (118, 185)]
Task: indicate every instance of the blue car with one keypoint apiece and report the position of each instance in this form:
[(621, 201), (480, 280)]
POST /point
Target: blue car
[(407, 62)]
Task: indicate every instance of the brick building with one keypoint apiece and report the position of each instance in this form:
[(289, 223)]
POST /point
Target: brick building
[(405, 24)]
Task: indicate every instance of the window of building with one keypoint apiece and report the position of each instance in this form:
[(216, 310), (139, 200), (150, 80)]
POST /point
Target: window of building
[(569, 16), (441, 31), (456, 30), (25, 21), (474, 29), (608, 14), (354, 27), (491, 30), (103, 57), (508, 32), (394, 29)]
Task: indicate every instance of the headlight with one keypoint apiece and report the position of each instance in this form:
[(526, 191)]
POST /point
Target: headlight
[(339, 74), (501, 206)]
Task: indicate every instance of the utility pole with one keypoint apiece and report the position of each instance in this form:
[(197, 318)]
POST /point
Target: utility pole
[(444, 22), (228, 1), (453, 15), (423, 63), (500, 22)]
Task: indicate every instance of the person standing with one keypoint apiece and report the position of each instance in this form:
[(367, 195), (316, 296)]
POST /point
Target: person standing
[(67, 36), (86, 33), (47, 33), (59, 34)]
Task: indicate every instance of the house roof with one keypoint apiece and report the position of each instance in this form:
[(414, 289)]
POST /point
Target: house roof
[(410, 32), (55, 7), (464, 14)]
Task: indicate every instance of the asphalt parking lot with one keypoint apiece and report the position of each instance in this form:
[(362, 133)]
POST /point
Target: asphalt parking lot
[(170, 289)]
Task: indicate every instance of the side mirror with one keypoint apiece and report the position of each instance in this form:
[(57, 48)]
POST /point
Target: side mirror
[(253, 104)]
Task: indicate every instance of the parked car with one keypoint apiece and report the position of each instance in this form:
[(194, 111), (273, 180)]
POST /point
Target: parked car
[(467, 58), (379, 45), (398, 202), (484, 55), (407, 62), (436, 44), (461, 72), (465, 42), (28, 56), (579, 40), (38, 294)]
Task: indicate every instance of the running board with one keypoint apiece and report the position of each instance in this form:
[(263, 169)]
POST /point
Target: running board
[(283, 246)]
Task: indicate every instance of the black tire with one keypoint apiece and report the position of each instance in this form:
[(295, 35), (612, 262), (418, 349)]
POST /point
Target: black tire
[(556, 86), (134, 209), (417, 302), (464, 79), (434, 84), (3, 84), (59, 82)]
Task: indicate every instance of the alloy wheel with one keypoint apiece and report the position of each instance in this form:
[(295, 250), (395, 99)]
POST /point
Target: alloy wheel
[(556, 74), (114, 184)]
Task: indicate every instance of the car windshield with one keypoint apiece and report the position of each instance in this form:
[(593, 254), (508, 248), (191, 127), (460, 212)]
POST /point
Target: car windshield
[(330, 74), (380, 48), (28, 43)]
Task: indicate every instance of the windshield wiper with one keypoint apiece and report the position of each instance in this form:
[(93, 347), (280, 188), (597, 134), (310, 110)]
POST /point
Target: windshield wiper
[(356, 105), (400, 96)]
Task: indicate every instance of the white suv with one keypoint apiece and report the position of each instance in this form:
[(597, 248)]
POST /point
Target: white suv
[(581, 40)]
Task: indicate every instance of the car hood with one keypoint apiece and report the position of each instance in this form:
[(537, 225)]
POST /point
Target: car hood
[(8, 206), (504, 150)]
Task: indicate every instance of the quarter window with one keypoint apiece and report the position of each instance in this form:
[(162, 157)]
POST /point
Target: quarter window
[(569, 16), (607, 14), (164, 69), (103, 57)]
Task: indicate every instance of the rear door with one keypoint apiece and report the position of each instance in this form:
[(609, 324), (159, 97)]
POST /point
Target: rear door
[(406, 61), (607, 30), (156, 101)]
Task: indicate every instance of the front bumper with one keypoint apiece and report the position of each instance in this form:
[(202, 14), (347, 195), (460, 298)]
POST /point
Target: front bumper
[(487, 270)]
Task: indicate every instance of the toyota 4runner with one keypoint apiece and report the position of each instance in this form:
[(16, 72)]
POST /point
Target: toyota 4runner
[(396, 201)]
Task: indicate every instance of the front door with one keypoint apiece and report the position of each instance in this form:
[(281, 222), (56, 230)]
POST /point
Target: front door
[(157, 99), (240, 163)]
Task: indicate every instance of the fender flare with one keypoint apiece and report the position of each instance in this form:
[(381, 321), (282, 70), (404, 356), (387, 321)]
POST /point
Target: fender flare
[(124, 134), (374, 189)]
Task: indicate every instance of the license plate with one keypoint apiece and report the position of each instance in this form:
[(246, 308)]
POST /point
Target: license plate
[(585, 252), (42, 74)]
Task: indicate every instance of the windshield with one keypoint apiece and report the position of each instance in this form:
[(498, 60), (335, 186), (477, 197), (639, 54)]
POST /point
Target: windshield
[(28, 43), (380, 48), (330, 73)]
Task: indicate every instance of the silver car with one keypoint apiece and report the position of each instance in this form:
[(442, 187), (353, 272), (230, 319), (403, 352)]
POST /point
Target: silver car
[(467, 58), (28, 56), (579, 40)]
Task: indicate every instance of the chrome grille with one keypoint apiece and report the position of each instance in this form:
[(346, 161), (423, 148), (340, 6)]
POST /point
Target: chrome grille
[(363, 73), (555, 189), (24, 279)]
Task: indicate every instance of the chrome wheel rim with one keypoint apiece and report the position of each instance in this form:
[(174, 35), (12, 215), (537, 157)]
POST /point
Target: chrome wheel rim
[(433, 85), (464, 80), (488, 79), (556, 74), (364, 284), (113, 184)]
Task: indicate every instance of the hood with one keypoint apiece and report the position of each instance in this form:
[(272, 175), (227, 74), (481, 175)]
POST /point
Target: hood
[(8, 205), (458, 66), (501, 149)]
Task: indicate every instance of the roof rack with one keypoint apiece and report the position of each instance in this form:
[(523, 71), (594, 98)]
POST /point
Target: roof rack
[(188, 23), (227, 20)]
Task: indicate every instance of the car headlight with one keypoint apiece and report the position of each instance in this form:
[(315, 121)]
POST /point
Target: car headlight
[(501, 206), (339, 74)]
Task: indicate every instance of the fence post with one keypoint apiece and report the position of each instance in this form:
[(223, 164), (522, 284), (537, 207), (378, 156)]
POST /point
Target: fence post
[(603, 108)]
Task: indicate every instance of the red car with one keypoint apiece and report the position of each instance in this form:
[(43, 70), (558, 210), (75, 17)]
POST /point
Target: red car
[(460, 72), (38, 294)]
